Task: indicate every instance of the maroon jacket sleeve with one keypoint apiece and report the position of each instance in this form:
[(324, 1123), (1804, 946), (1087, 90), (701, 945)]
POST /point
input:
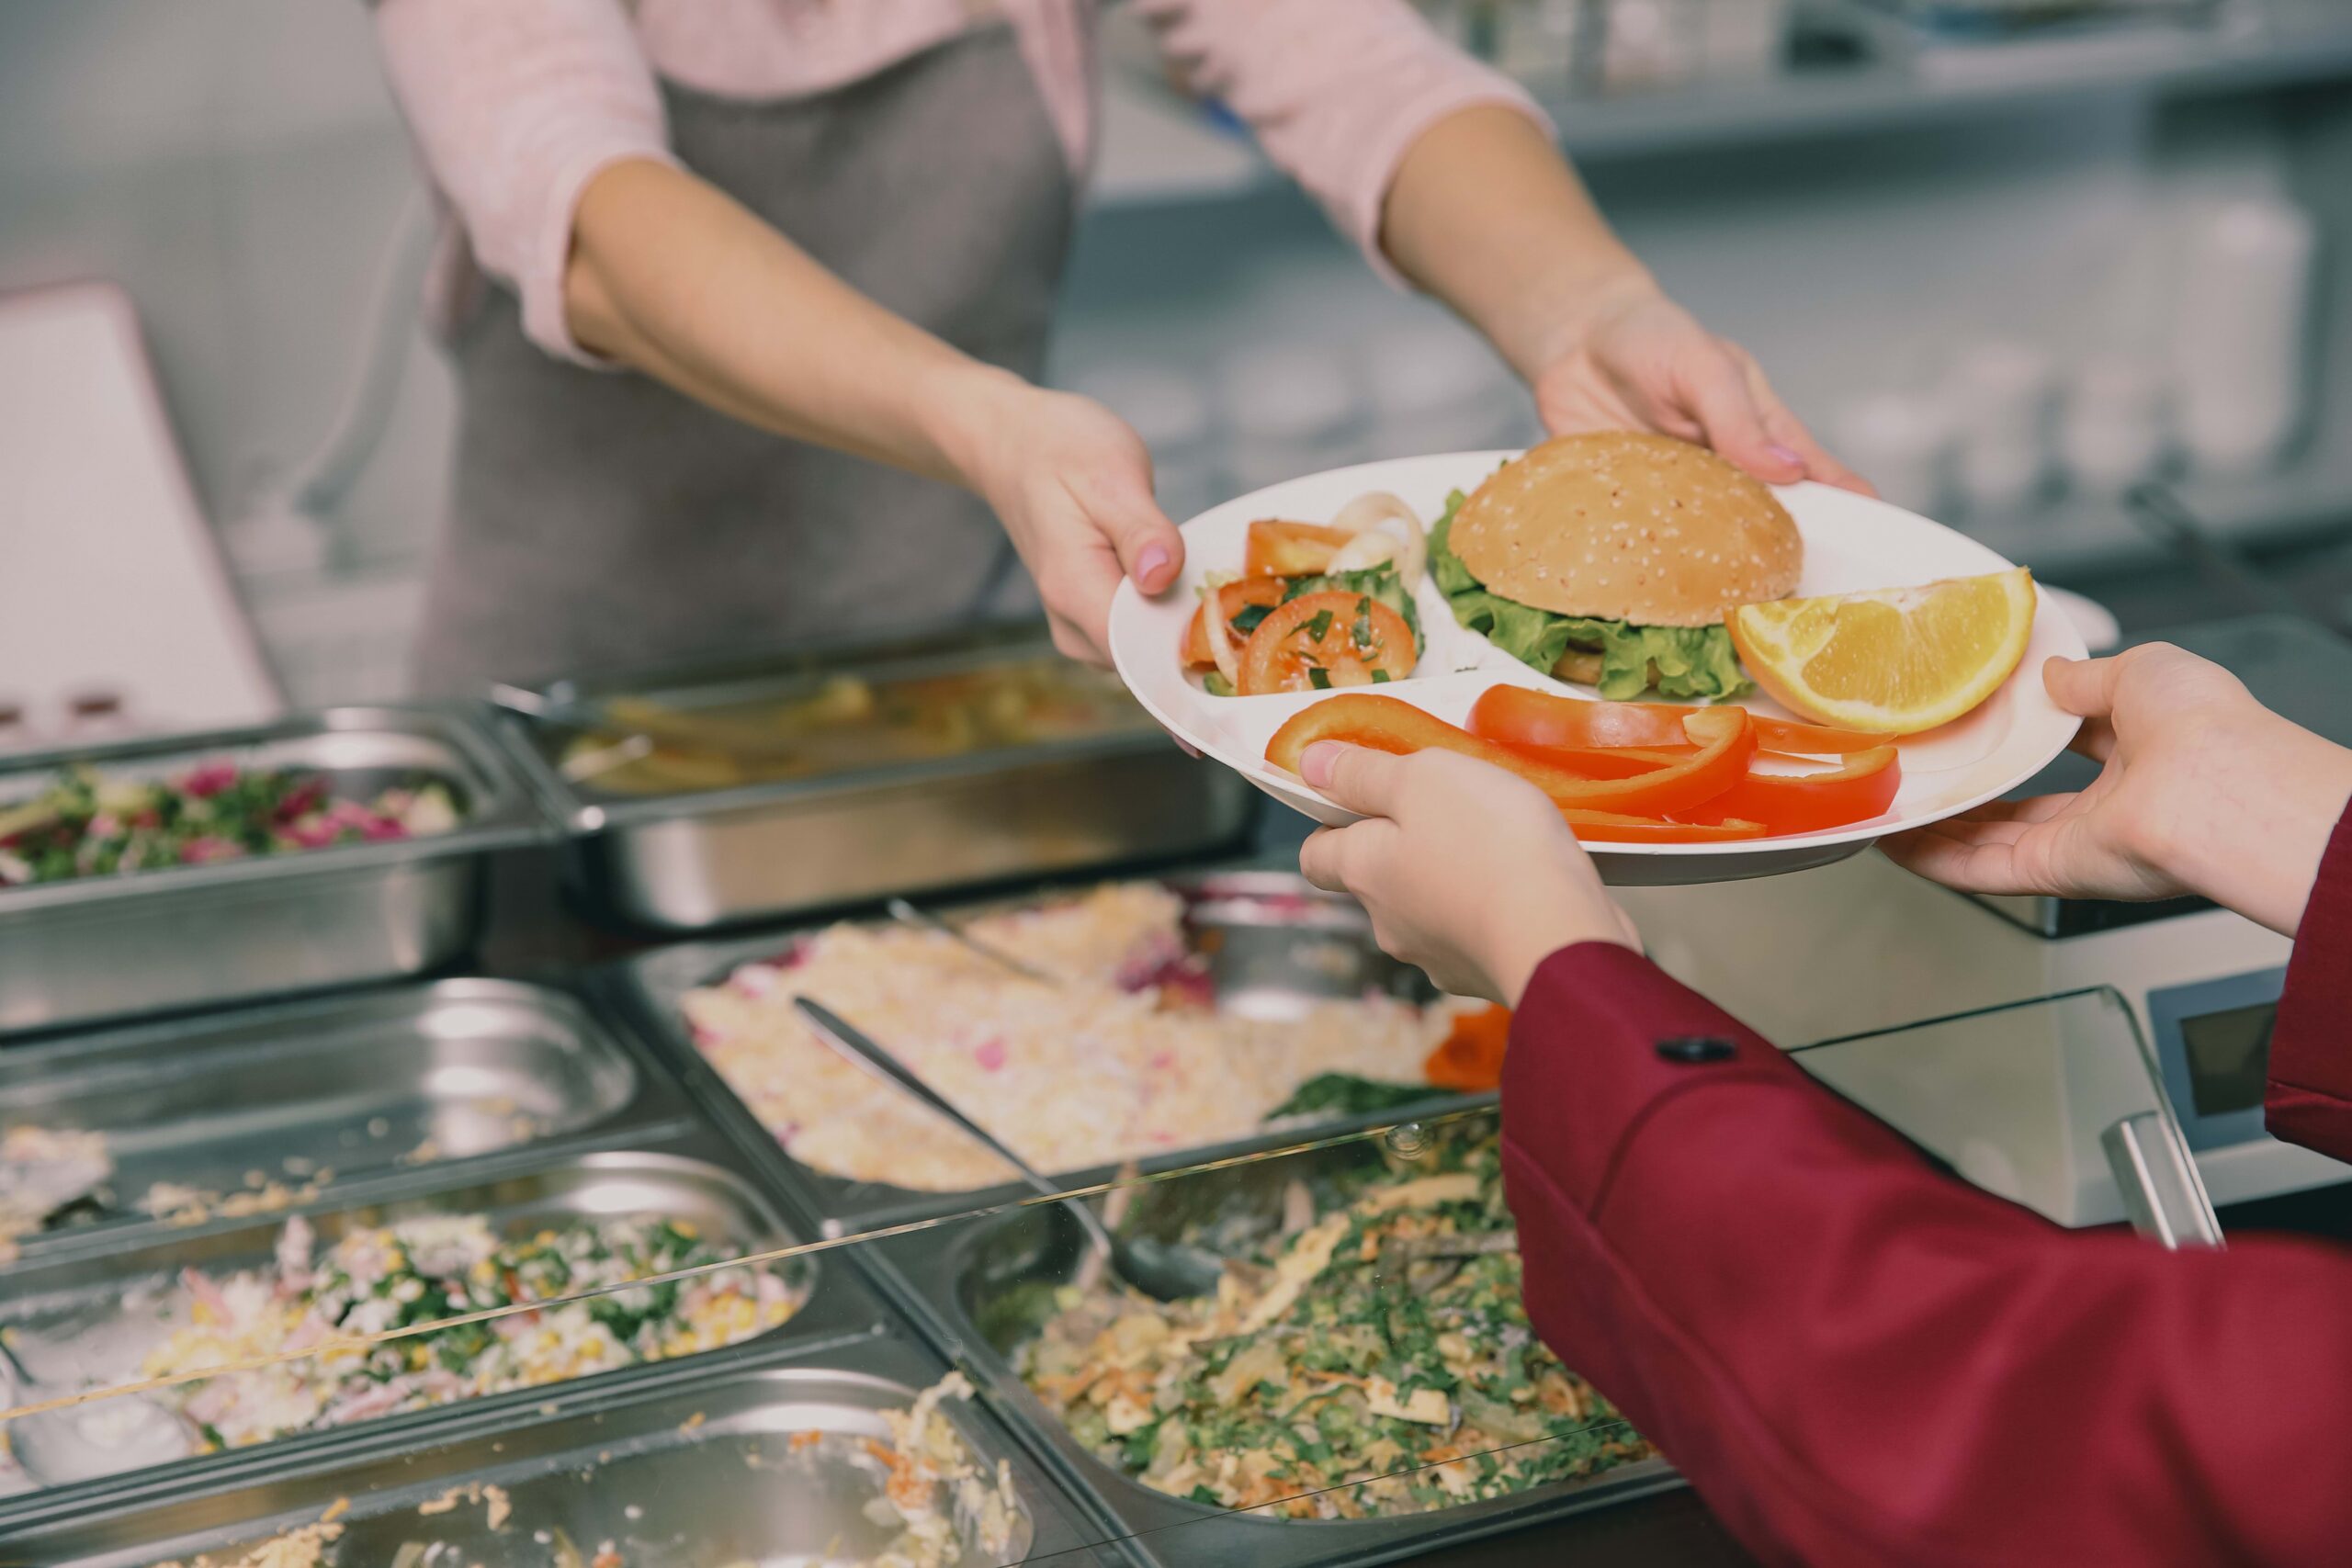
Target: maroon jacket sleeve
[(2308, 1097), (1857, 1359)]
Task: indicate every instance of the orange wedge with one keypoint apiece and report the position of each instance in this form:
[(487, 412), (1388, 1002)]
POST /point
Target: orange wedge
[(1895, 660)]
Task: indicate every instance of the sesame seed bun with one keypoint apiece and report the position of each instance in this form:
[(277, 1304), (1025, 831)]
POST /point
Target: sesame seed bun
[(1628, 527)]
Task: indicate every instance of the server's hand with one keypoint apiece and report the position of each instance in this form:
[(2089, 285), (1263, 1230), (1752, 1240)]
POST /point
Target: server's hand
[(2203, 791), (1072, 485), (1642, 361), (1469, 874)]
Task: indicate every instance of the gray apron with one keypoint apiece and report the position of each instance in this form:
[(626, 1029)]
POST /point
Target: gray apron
[(600, 521)]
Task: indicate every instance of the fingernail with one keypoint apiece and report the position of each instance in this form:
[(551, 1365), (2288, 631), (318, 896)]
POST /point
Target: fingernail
[(1317, 765), (1792, 458), (1150, 564)]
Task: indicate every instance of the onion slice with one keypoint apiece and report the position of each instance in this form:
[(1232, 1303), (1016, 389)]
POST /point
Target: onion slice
[(1385, 529), (1229, 662)]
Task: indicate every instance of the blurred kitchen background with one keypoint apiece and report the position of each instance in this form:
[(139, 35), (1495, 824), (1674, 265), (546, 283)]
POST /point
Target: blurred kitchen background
[(2008, 257)]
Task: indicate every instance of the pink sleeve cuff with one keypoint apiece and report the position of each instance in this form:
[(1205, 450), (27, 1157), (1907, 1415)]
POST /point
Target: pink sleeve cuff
[(1362, 210), (540, 279), (1337, 91)]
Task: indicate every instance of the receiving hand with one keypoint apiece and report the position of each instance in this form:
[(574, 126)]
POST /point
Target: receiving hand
[(1642, 361), (2203, 791), (1072, 485), (1469, 874)]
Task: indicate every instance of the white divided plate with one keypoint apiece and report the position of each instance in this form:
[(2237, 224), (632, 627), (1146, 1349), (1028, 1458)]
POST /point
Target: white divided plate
[(1852, 543)]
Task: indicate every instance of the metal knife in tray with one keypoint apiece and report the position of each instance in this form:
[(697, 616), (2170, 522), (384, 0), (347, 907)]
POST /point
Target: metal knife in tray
[(92, 1320), (116, 944), (1271, 943), (698, 796)]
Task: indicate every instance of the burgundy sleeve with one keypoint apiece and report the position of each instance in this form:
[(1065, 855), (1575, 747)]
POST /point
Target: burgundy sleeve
[(2308, 1097), (1855, 1359)]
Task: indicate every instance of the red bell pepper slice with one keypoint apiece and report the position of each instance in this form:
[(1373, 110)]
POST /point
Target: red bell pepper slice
[(1526, 717), (1810, 803), (1726, 742), (1607, 827)]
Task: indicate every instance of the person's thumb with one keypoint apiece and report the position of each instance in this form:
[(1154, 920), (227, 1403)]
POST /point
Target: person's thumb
[(1716, 389), (2082, 686), (1150, 549)]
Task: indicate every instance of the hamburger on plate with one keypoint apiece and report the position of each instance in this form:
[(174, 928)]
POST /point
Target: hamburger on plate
[(1611, 560)]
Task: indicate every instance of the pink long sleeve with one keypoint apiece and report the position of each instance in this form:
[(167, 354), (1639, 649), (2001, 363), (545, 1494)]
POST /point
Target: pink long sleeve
[(1337, 91), (516, 105)]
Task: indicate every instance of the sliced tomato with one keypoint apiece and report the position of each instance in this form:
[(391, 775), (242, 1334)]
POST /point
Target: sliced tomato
[(1290, 549), (1725, 742), (1231, 600), (1325, 639), (1609, 828), (1808, 803), (1471, 1058), (1528, 717)]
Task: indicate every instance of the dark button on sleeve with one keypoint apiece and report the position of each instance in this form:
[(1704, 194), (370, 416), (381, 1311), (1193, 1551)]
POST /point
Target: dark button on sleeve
[(1696, 1048)]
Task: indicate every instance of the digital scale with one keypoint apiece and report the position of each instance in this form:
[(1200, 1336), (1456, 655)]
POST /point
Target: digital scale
[(1862, 946)]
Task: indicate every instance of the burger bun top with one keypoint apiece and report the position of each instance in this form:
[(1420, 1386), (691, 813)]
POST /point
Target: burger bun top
[(1625, 526)]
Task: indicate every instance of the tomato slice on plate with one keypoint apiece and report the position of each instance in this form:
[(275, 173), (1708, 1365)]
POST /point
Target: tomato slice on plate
[(1232, 600), (1290, 549), (1527, 718), (1810, 803), (1609, 828), (1325, 639)]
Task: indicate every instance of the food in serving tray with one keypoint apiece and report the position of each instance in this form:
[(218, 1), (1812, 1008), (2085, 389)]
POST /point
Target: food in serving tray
[(849, 721), (1895, 660), (1123, 1058), (47, 1173), (1317, 607), (1373, 1359), (88, 823), (947, 1505), (1633, 773), (419, 1271), (1611, 559)]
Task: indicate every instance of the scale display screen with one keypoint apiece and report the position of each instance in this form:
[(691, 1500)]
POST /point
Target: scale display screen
[(2212, 1039), (2228, 1054)]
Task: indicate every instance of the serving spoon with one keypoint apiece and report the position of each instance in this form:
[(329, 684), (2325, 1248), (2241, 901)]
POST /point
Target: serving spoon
[(1162, 1271), (905, 914)]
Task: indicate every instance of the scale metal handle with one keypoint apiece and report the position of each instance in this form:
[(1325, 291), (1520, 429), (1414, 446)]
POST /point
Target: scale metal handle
[(2162, 1195)]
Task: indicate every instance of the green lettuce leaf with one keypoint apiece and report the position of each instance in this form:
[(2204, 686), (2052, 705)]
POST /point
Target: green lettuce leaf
[(1693, 662)]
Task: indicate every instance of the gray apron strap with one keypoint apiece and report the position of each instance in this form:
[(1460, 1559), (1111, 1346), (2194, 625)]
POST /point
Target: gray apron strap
[(600, 521)]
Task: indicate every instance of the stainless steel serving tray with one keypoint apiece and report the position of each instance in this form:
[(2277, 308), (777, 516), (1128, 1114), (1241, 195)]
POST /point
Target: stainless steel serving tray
[(958, 1278), (691, 861), (382, 1085), (1273, 942), (64, 1301), (693, 1469), (192, 935)]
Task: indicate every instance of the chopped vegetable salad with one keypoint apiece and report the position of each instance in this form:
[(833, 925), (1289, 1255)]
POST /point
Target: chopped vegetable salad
[(90, 824), (1374, 1360)]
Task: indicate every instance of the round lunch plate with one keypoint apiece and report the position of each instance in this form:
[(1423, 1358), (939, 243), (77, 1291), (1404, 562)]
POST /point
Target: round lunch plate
[(1852, 543)]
